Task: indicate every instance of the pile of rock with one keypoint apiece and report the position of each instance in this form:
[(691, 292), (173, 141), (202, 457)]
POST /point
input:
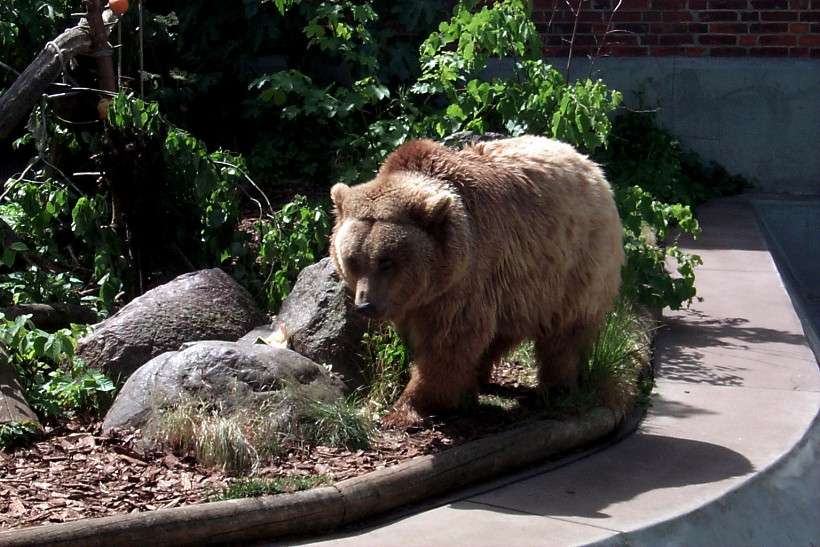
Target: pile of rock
[(199, 336)]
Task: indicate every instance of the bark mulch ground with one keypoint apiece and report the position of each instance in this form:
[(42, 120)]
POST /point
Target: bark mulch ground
[(75, 472)]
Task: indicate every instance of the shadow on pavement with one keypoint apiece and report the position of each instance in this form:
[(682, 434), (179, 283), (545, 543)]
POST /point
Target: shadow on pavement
[(666, 462), (679, 347)]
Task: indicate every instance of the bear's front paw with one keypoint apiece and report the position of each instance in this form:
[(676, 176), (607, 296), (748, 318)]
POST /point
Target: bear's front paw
[(402, 418)]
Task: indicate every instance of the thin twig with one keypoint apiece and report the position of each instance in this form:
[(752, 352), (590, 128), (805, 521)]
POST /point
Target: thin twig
[(7, 67), (250, 180), (577, 14), (606, 33), (15, 182)]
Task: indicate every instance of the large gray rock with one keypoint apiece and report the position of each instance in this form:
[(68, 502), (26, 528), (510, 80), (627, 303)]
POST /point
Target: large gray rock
[(203, 305), (227, 373), (321, 323)]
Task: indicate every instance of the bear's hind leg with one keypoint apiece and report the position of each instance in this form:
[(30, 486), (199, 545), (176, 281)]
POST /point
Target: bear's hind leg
[(559, 357)]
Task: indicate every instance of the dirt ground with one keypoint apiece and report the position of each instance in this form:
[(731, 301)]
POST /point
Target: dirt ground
[(76, 472)]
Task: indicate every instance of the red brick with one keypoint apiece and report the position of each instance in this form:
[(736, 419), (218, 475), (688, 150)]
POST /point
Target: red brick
[(668, 4), (649, 39), (798, 52), (603, 4), (543, 4), (778, 16), (676, 16), (769, 52), (697, 4), (697, 27), (633, 5), (779, 40), (727, 28), (675, 39), (555, 51), (815, 52), (666, 51), (810, 16), (632, 27), (583, 40), (815, 27), (799, 4), (669, 28), (651, 16), (625, 51), (718, 16), (717, 40), (622, 39), (748, 40), (815, 4), (770, 4), (810, 40), (749, 16), (628, 16), (696, 51), (728, 52), (799, 28), (768, 28), (728, 4)]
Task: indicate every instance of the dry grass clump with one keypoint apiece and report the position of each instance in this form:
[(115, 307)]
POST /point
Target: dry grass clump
[(238, 439)]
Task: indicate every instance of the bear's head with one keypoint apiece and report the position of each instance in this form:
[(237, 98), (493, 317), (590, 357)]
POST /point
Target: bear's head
[(399, 242)]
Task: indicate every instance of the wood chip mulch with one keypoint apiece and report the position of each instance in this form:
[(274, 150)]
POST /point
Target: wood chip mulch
[(75, 472)]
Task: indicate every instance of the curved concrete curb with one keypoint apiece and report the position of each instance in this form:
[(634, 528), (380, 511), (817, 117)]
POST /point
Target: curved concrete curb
[(727, 454), (327, 508), (773, 508)]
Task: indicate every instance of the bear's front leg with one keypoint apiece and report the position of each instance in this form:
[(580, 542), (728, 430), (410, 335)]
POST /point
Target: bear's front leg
[(435, 387)]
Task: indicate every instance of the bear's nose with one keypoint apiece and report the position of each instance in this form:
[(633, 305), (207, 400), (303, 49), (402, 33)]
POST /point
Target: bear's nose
[(367, 309)]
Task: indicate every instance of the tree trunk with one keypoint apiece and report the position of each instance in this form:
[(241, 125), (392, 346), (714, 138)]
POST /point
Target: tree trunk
[(50, 317), (22, 96)]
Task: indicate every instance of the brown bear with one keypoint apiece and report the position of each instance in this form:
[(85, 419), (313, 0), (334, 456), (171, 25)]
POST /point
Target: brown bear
[(470, 252)]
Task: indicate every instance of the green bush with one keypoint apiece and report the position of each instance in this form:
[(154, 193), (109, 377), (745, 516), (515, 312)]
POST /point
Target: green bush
[(55, 382), (641, 153), (387, 365), (340, 424)]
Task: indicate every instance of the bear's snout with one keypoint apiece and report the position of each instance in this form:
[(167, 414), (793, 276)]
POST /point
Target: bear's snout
[(368, 310)]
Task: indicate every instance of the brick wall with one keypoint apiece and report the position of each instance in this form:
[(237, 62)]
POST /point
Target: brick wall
[(695, 28)]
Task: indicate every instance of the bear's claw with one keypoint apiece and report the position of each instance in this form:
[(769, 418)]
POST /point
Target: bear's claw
[(402, 418)]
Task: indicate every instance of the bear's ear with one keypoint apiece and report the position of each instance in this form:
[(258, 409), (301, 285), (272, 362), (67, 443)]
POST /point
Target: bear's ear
[(433, 210), (338, 194)]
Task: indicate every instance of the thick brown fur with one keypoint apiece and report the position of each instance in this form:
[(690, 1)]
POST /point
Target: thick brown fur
[(470, 252)]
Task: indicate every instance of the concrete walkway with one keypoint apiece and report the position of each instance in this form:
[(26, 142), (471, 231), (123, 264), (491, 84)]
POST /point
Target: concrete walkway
[(727, 455)]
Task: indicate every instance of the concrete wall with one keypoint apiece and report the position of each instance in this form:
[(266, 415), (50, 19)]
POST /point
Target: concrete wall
[(758, 117)]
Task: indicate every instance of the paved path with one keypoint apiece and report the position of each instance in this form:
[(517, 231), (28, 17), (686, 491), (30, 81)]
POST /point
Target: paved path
[(727, 454)]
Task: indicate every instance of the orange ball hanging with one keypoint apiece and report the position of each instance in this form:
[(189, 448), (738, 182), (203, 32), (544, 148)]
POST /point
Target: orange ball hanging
[(118, 6)]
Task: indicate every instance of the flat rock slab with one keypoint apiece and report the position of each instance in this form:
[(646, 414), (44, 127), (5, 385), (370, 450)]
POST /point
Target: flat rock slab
[(229, 373), (203, 305)]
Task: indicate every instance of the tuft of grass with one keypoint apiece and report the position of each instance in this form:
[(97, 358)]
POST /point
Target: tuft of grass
[(221, 442), (524, 354), (233, 441), (255, 487), (387, 369), (611, 370), (497, 402), (239, 438), (340, 424)]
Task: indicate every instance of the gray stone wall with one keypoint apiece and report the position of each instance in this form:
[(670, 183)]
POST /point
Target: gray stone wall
[(758, 117)]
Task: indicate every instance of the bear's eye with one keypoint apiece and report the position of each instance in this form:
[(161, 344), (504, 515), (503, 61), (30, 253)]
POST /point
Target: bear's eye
[(385, 264)]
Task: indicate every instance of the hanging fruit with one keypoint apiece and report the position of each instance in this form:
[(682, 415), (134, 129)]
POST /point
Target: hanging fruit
[(118, 6)]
